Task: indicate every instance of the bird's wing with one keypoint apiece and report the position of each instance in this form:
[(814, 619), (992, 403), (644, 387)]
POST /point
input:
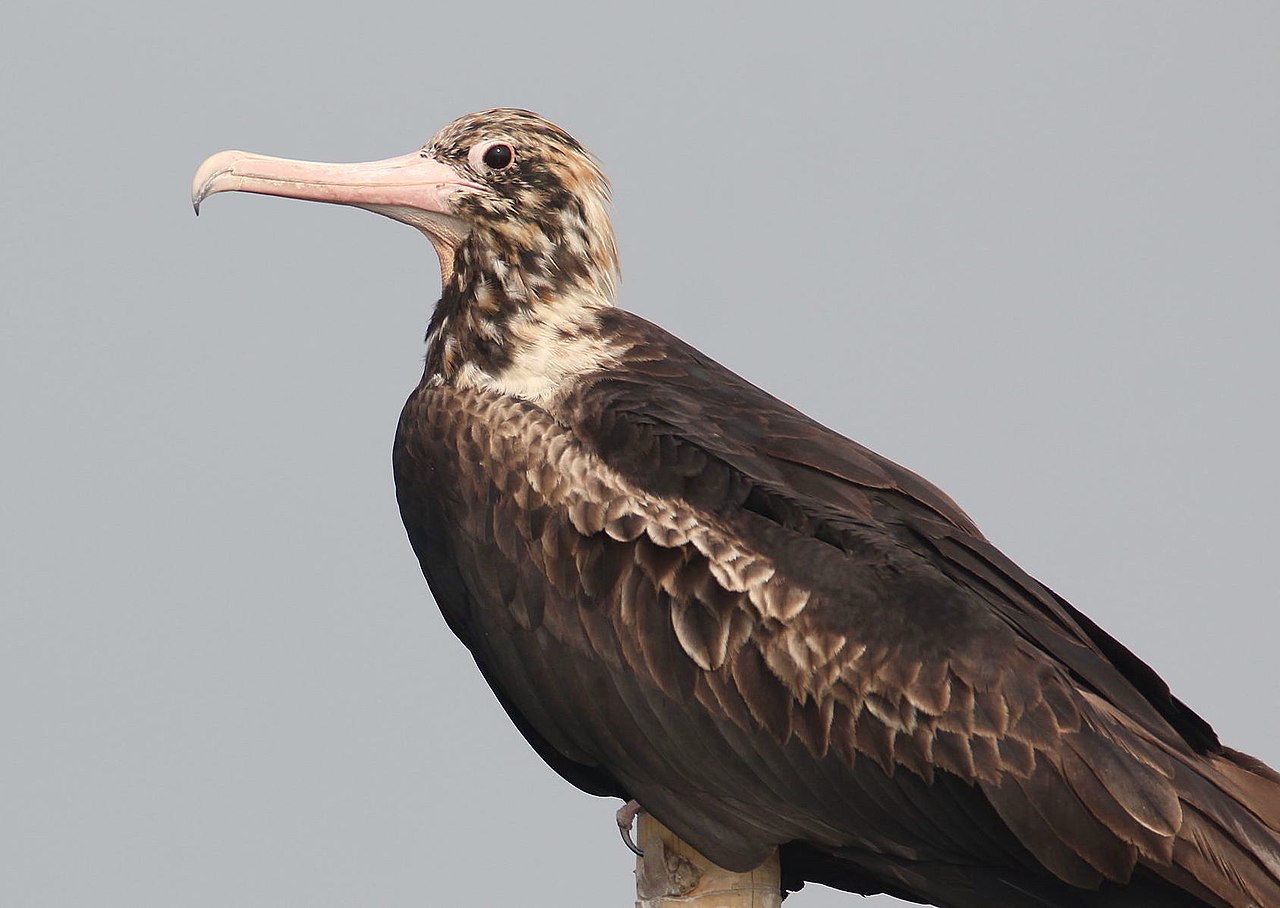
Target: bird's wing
[(670, 402), (765, 633)]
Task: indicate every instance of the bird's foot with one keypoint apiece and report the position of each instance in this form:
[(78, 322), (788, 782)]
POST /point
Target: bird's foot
[(626, 816)]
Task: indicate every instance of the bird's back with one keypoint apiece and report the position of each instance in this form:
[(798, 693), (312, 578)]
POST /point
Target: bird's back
[(685, 592)]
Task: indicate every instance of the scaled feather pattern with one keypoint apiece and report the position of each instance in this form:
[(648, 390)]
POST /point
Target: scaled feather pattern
[(687, 593)]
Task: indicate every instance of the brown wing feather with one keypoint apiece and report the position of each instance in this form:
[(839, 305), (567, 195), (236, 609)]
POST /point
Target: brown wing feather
[(670, 396), (687, 593)]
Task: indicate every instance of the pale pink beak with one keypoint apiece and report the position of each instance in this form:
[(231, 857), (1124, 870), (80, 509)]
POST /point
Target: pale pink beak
[(409, 188)]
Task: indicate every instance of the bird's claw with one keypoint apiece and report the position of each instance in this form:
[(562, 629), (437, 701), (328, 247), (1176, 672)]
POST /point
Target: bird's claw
[(626, 816)]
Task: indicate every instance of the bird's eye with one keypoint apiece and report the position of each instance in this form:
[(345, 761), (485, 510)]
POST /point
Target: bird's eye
[(498, 157)]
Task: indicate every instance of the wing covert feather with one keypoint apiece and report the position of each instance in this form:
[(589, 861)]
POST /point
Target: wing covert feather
[(690, 594)]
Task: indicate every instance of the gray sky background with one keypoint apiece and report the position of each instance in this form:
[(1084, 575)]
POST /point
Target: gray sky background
[(1030, 251)]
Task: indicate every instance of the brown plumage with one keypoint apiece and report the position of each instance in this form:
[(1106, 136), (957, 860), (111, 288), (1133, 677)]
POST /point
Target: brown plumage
[(685, 592)]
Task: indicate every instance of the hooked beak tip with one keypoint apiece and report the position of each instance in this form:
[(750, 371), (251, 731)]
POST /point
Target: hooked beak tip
[(211, 174)]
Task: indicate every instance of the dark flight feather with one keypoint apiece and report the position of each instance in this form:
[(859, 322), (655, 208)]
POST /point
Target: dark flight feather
[(686, 592), (769, 635)]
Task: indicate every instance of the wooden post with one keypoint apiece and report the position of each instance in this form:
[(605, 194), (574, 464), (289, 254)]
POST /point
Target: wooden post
[(673, 875)]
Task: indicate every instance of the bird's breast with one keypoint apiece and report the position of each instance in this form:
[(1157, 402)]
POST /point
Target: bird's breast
[(513, 481)]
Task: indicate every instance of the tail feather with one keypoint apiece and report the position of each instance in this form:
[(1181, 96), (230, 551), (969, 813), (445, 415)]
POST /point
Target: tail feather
[(1208, 823), (1251, 782), (1221, 864)]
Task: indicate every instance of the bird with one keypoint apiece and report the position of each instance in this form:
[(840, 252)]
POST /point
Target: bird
[(691, 596)]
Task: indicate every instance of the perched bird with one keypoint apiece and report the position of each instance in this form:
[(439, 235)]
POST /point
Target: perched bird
[(687, 593)]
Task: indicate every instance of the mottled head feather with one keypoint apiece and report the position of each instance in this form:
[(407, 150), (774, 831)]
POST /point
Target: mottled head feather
[(543, 219), (537, 263)]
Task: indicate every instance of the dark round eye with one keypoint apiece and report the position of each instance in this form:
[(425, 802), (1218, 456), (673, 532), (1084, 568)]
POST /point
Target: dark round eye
[(499, 157)]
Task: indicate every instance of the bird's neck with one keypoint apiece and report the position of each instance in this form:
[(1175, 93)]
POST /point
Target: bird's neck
[(523, 323)]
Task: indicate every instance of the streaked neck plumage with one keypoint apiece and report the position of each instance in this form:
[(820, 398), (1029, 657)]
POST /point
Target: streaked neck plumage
[(520, 300)]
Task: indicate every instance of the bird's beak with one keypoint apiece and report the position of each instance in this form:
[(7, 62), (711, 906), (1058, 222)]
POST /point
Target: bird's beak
[(413, 188)]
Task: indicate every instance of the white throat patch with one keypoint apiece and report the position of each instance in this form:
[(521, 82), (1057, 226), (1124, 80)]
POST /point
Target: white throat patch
[(551, 346)]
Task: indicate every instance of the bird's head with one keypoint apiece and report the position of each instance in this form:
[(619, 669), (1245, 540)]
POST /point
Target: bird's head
[(507, 199)]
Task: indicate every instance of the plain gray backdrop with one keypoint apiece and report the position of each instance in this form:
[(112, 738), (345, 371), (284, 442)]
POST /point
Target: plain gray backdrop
[(1031, 251)]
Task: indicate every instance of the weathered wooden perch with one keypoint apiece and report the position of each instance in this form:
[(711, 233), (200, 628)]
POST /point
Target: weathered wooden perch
[(673, 875)]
